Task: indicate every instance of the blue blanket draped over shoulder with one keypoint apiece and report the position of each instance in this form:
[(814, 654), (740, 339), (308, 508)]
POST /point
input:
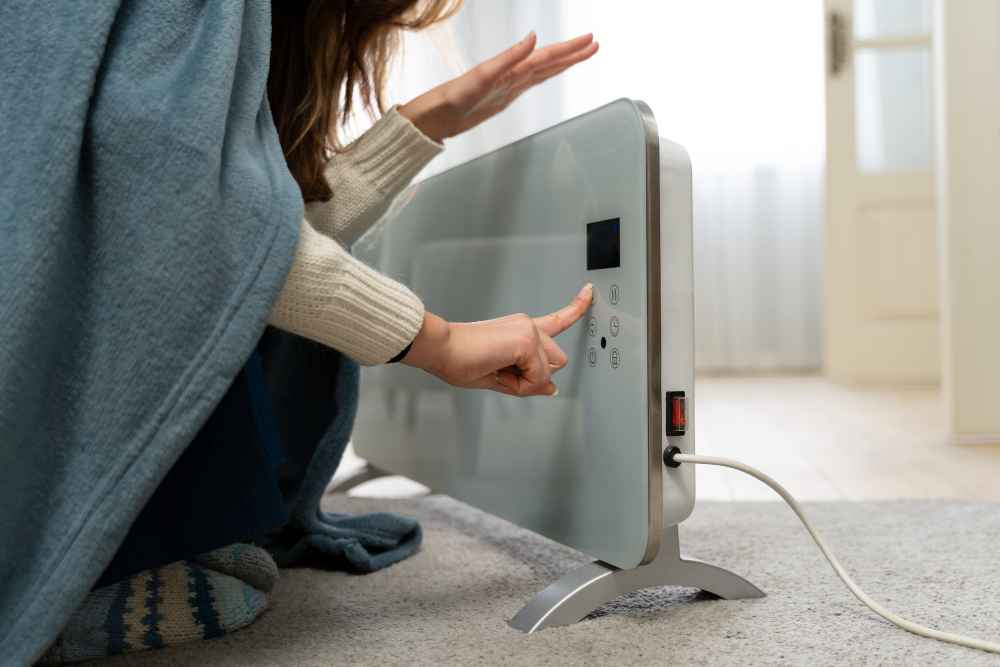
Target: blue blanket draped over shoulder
[(147, 223)]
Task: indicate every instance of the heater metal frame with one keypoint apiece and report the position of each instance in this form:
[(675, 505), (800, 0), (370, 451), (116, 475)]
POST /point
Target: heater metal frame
[(580, 592), (654, 380)]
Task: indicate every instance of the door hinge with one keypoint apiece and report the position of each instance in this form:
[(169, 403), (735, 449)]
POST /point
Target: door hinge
[(836, 42)]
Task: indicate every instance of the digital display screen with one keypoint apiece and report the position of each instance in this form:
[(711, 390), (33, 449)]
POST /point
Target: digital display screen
[(604, 244)]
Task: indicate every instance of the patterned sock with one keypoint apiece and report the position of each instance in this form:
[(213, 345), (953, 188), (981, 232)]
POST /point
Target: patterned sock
[(208, 596)]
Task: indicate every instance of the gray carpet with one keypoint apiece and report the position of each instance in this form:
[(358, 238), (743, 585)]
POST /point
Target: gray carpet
[(935, 562)]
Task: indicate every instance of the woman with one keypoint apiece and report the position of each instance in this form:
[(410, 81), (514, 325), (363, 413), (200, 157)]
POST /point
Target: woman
[(321, 53)]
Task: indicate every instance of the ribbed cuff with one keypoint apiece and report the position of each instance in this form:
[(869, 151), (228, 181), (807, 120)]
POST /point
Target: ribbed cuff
[(392, 152), (335, 299)]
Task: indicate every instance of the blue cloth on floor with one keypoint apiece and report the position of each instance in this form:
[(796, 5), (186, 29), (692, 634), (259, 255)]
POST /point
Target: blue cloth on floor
[(147, 224), (314, 393)]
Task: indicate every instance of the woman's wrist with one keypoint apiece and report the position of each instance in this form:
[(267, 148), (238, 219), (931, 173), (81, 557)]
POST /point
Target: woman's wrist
[(425, 114), (426, 350)]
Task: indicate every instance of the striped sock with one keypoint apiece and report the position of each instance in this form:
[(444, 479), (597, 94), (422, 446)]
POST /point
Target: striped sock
[(205, 597)]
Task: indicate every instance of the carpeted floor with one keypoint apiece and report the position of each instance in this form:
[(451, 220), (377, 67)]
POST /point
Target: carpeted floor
[(933, 561)]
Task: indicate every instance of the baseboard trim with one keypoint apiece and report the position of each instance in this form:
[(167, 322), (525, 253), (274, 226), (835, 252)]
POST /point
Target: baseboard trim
[(974, 439)]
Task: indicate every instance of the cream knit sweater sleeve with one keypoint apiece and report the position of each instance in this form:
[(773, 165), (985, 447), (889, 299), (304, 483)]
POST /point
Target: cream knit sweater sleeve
[(368, 176), (331, 297)]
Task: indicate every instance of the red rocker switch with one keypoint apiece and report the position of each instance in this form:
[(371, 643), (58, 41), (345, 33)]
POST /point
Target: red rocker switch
[(676, 413)]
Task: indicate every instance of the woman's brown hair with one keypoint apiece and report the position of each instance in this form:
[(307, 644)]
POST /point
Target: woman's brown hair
[(323, 52)]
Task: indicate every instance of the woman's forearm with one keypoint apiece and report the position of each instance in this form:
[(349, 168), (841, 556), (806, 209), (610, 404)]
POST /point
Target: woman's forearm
[(339, 301), (368, 175)]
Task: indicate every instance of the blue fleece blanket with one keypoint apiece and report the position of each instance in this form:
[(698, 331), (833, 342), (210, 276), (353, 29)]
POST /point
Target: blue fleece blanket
[(147, 222)]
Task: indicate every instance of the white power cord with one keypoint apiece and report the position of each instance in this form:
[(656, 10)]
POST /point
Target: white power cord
[(890, 616)]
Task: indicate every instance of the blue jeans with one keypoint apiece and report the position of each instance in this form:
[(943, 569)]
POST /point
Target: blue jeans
[(239, 478)]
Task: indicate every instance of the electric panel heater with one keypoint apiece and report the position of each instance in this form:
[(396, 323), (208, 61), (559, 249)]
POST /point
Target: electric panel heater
[(599, 198)]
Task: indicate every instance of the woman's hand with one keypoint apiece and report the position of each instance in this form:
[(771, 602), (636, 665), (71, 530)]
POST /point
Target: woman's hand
[(490, 87), (513, 355)]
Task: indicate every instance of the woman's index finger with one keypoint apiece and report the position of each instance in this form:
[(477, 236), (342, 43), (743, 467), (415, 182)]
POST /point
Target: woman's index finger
[(555, 323)]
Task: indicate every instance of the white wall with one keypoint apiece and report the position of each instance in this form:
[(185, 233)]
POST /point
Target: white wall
[(967, 77)]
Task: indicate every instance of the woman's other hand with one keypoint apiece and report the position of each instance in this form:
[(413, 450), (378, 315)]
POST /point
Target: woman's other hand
[(490, 87), (513, 355)]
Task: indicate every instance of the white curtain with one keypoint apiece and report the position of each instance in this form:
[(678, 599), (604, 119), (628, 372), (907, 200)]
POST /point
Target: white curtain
[(740, 85)]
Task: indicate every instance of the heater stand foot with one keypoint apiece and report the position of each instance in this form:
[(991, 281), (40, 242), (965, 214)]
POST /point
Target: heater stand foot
[(586, 588), (365, 474)]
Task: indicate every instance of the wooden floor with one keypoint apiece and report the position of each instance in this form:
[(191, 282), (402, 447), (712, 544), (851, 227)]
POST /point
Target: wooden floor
[(821, 440), (825, 441)]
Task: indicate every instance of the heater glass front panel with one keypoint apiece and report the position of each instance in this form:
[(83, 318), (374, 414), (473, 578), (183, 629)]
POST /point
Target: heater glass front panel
[(521, 230)]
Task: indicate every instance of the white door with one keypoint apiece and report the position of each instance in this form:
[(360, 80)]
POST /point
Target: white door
[(881, 302)]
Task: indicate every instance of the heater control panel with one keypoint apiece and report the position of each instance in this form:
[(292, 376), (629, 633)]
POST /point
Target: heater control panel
[(604, 251), (605, 332)]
